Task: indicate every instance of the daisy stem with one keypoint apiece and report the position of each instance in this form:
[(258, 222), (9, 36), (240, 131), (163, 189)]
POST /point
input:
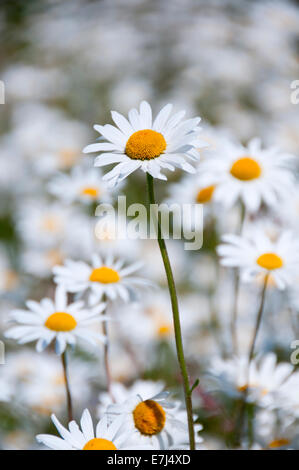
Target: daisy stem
[(67, 387), (176, 318), (250, 357), (236, 292), (106, 357)]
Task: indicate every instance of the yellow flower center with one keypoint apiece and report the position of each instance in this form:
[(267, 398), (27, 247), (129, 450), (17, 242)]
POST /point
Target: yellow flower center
[(246, 169), (270, 261), (104, 275), (51, 223), (145, 145), (205, 195), (99, 444), (61, 321), (90, 191), (149, 417), (164, 330), (278, 443), (68, 157)]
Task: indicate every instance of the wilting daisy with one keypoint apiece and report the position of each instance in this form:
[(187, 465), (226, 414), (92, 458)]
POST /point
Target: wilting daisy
[(251, 174), (103, 277), (154, 421), (258, 255), (140, 142), (82, 184), (50, 320), (103, 438)]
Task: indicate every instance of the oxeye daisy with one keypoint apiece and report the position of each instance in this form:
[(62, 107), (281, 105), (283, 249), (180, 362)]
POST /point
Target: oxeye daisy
[(151, 145), (250, 174), (259, 255), (50, 320), (81, 185), (103, 277), (154, 421), (105, 437)]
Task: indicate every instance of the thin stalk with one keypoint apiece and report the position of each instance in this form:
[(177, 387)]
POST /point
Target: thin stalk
[(67, 386), (233, 326), (250, 357), (106, 358), (176, 319)]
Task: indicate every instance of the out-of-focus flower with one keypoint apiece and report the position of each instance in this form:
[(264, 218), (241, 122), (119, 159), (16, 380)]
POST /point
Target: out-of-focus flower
[(257, 254), (103, 277), (82, 185), (139, 142), (47, 321), (104, 438), (264, 381), (252, 174)]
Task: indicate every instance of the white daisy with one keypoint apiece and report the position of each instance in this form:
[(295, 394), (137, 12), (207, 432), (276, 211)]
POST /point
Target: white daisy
[(140, 142), (104, 438), (252, 174), (257, 255), (264, 382), (103, 277), (81, 185), (55, 320), (154, 421)]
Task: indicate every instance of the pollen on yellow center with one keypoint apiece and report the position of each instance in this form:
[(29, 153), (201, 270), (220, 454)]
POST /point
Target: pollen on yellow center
[(204, 195), (246, 169), (90, 191), (145, 145), (104, 275), (61, 321), (164, 330), (99, 444), (149, 417), (270, 261)]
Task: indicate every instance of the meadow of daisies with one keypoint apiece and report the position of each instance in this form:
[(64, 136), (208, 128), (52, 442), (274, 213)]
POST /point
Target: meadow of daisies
[(114, 343)]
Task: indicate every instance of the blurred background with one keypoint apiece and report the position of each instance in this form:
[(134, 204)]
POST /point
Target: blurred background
[(65, 65)]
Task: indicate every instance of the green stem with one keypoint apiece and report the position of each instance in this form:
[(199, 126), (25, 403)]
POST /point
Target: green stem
[(250, 357), (176, 319), (67, 387), (106, 356)]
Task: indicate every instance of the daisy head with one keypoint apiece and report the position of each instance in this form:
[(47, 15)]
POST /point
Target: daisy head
[(81, 185), (151, 145), (154, 421), (250, 174), (100, 278), (258, 255), (104, 437), (50, 320)]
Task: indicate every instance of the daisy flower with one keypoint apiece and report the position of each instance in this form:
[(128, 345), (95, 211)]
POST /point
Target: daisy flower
[(257, 255), (251, 174), (265, 380), (152, 146), (103, 438), (103, 277), (55, 320), (81, 185), (154, 421)]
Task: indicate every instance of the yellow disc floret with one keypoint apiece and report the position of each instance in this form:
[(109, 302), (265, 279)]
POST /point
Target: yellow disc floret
[(104, 275), (99, 444), (270, 261), (204, 195), (90, 191), (246, 169), (278, 443), (149, 417), (145, 145), (61, 321)]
